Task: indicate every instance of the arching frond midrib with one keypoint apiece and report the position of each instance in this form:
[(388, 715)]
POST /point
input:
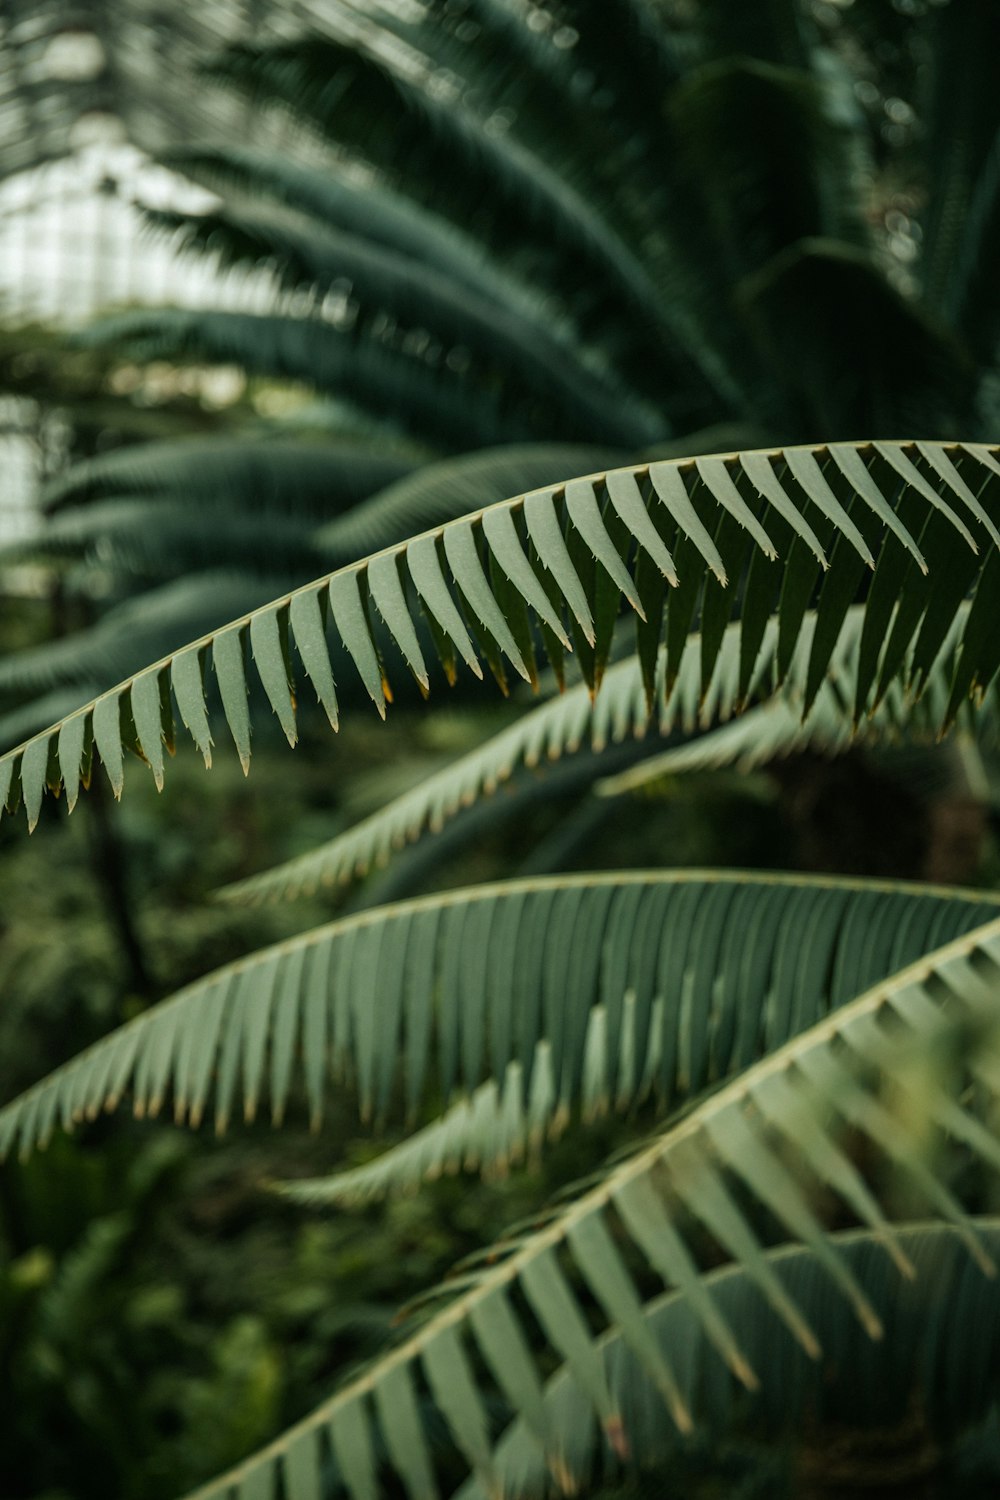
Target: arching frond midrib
[(646, 510), (690, 1156), (317, 987)]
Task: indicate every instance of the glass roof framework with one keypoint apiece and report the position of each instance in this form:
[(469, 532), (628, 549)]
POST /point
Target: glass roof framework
[(91, 93)]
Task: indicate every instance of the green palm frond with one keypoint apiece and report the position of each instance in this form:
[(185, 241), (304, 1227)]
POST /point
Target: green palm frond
[(778, 727), (646, 1003), (561, 726), (631, 1049), (948, 1304), (443, 491), (408, 381), (368, 210), (397, 123), (597, 223), (959, 142), (757, 737), (861, 1067), (622, 710), (567, 548), (316, 479), (389, 287)]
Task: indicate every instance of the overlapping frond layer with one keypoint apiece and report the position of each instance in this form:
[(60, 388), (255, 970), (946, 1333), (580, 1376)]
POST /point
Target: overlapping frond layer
[(320, 479), (666, 537), (449, 991), (626, 1039), (465, 169), (864, 1066), (368, 209), (385, 378), (155, 537), (565, 724), (621, 711), (561, 726), (778, 727), (387, 288), (948, 1304)]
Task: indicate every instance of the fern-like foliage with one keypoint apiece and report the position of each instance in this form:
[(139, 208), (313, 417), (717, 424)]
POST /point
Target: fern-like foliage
[(860, 1067), (631, 1013), (597, 224), (948, 1300), (713, 733), (324, 478), (560, 557)]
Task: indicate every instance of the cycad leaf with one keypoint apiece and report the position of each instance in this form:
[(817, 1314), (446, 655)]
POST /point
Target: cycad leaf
[(426, 953), (228, 658), (305, 617), (321, 478), (949, 1303), (517, 346), (777, 727), (944, 990), (550, 525), (574, 721), (269, 645)]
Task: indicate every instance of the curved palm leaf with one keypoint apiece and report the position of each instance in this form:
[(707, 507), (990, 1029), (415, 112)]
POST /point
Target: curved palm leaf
[(320, 478), (846, 1069), (368, 210), (566, 548), (778, 727), (621, 710), (514, 345), (442, 491), (376, 375), (361, 101), (646, 1003), (860, 1382)]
